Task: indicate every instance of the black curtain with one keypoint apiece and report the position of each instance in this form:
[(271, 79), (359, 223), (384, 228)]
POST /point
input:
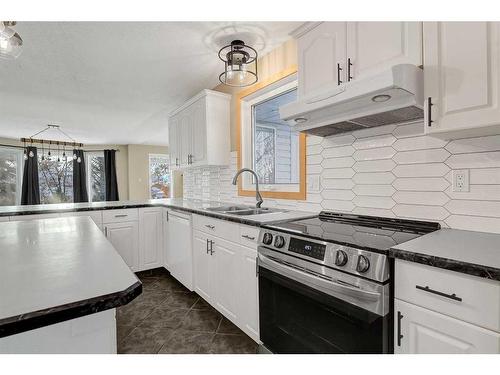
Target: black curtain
[(110, 171), (79, 178), (30, 193)]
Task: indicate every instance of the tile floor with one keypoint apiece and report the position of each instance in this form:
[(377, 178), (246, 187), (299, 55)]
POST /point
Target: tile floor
[(168, 318)]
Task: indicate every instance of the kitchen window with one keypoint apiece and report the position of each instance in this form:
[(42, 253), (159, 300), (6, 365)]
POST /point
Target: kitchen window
[(11, 167), (159, 176), (268, 144), (55, 179), (96, 177)]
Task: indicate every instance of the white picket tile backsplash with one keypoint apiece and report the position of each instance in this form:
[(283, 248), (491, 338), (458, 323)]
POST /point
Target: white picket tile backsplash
[(390, 171)]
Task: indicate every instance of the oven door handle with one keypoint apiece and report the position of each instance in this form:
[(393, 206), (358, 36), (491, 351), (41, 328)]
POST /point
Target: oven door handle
[(314, 281)]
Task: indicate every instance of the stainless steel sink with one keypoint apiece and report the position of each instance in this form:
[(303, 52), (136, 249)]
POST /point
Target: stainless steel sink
[(229, 208), (243, 210)]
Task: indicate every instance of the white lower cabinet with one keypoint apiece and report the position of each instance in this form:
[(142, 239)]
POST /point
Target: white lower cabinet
[(443, 312), (124, 236), (224, 271), (150, 238), (227, 267), (248, 292), (423, 331), (203, 266), (165, 235)]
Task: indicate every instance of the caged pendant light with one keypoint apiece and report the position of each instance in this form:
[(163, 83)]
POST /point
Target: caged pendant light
[(11, 44), (240, 64)]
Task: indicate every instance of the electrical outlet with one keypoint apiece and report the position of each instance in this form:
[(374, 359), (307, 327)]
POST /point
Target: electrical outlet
[(313, 184), (460, 180)]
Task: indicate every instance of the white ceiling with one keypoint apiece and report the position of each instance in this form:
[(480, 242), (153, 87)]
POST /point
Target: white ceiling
[(116, 82)]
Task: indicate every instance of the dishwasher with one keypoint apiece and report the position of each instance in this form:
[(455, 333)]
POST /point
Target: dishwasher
[(179, 252)]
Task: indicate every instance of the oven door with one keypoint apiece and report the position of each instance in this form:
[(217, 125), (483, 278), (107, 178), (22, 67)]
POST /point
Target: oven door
[(303, 312)]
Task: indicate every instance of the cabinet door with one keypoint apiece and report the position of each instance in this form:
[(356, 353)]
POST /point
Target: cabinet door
[(150, 238), (225, 277), (173, 139), (199, 132), (248, 292), (319, 52), (203, 272), (373, 47), (125, 238), (186, 124), (166, 235), (427, 332), (461, 75), (180, 248)]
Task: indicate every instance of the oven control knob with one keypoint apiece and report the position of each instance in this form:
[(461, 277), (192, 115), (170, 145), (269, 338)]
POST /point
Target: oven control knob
[(341, 258), (267, 239), (363, 264), (279, 242)]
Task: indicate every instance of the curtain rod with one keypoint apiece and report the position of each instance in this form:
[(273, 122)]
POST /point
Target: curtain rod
[(22, 147)]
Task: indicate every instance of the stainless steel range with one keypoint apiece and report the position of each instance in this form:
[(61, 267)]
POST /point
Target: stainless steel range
[(325, 283)]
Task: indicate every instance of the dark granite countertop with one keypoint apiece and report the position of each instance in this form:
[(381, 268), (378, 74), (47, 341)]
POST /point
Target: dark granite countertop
[(187, 205), (473, 253), (58, 269)]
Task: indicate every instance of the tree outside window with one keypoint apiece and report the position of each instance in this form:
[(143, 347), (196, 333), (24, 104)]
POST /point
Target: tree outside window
[(159, 176), (55, 180), (10, 176)]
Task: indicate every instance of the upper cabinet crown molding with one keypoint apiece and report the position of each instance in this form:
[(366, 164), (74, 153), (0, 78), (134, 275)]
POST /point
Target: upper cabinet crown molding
[(203, 93), (304, 28), (462, 78), (199, 133), (332, 54)]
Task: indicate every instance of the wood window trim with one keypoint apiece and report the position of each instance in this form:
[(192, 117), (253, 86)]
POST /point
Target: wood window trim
[(297, 195)]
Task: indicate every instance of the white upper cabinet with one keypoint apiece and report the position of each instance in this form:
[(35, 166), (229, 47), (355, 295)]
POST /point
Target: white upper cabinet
[(199, 131), (321, 56), (462, 80), (332, 54), (174, 141), (373, 47)]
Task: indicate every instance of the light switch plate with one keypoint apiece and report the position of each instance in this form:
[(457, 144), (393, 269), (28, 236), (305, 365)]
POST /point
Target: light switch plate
[(460, 179), (313, 184)]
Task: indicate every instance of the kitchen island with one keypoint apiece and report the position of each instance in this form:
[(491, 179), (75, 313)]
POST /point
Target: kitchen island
[(60, 283)]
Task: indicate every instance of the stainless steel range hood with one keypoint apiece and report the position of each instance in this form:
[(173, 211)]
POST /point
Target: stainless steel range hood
[(392, 97)]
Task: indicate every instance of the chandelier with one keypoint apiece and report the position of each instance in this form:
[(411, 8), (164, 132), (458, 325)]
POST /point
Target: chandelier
[(51, 145), (240, 64)]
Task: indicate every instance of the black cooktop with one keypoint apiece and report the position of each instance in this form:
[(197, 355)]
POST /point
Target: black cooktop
[(364, 232)]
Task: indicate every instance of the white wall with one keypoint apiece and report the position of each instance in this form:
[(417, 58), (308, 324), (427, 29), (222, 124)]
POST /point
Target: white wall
[(390, 171)]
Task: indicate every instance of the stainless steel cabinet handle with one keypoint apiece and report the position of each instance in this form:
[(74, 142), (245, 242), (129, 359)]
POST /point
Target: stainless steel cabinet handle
[(207, 246), (121, 215), (106, 231), (429, 111), (339, 69), (400, 336), (210, 226), (248, 237), (349, 64), (429, 290)]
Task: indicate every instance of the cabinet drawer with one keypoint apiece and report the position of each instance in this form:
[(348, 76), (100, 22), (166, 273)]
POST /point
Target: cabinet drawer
[(249, 236), (476, 300), (117, 216), (220, 228)]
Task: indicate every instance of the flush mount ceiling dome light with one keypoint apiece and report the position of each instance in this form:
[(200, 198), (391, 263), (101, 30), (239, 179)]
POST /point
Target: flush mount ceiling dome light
[(11, 43), (240, 64), (381, 98)]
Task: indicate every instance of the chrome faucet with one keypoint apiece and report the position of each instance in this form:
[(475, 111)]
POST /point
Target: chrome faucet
[(258, 197)]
